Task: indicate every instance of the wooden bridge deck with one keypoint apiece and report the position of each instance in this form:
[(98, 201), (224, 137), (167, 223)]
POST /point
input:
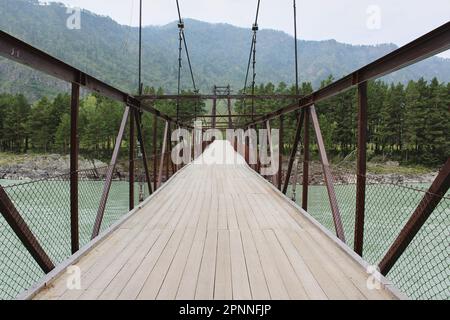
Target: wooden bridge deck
[(217, 232)]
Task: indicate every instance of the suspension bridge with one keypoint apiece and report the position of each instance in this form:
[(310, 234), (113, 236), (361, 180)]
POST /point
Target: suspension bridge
[(214, 230)]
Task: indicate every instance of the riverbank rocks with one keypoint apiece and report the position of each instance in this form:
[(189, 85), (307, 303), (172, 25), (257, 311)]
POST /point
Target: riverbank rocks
[(32, 167)]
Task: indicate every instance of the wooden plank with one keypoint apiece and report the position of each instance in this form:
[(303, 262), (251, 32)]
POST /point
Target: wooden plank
[(58, 287), (172, 279), (135, 284), (260, 218), (246, 211), (145, 240), (222, 220), (241, 286), (205, 285), (273, 277), (231, 213), (223, 284), (256, 276), (304, 274), (188, 281), (332, 280), (154, 281), (292, 283)]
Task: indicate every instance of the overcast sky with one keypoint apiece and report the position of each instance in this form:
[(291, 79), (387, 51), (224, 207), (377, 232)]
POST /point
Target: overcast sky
[(348, 21)]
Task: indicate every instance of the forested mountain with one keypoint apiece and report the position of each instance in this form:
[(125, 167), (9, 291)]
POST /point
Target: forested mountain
[(219, 53)]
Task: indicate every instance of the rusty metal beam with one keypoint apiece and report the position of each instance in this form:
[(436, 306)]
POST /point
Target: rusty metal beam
[(137, 116), (329, 181), (271, 149), (110, 174), (21, 52), (163, 151), (230, 118), (305, 186), (281, 150), (23, 232), (298, 133), (131, 149), (214, 114), (220, 116), (423, 211), (74, 116), (361, 168), (221, 97), (155, 152), (167, 156), (430, 44)]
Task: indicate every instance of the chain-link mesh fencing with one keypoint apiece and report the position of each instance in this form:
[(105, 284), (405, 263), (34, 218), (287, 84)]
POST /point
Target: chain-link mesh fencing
[(423, 271), (45, 207)]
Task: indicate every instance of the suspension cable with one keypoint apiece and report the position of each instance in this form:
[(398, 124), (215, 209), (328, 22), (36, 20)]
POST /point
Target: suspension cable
[(140, 48), (296, 49), (182, 39), (180, 66), (252, 55)]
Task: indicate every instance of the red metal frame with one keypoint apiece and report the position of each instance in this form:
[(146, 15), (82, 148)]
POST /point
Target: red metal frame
[(329, 181), (74, 145), (294, 150), (425, 208), (23, 232), (361, 168), (137, 116), (109, 175), (131, 151)]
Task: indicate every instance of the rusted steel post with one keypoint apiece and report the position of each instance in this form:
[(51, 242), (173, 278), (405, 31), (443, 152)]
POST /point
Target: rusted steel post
[(167, 158), (137, 117), (163, 153), (281, 150), (423, 211), (23, 232), (169, 140), (247, 147), (214, 113), (298, 133), (131, 149), (329, 181), (273, 159), (361, 168), (230, 119), (258, 149), (305, 186), (110, 174), (155, 152), (74, 219)]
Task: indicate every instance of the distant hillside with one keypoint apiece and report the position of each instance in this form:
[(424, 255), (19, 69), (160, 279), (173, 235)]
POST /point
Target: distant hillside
[(219, 52)]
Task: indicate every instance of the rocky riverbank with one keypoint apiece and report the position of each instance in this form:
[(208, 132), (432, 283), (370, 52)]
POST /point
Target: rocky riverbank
[(390, 173), (34, 167)]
